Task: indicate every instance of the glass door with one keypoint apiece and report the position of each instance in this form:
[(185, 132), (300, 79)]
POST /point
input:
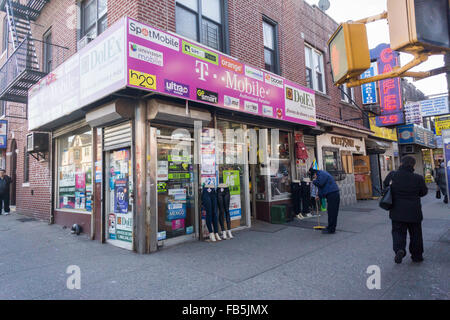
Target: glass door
[(176, 176), (119, 202)]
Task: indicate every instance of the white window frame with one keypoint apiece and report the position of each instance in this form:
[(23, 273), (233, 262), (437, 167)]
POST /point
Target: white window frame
[(351, 93), (310, 54)]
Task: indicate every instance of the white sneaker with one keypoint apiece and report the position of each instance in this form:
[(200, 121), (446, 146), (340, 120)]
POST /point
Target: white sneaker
[(299, 216), (6, 214), (224, 235), (212, 238), (218, 237), (230, 236)]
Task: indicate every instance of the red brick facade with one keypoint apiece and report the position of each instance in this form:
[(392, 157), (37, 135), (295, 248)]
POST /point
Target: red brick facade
[(298, 23)]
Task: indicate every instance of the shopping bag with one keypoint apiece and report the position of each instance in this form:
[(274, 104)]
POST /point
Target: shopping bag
[(386, 200), (438, 194), (323, 204)]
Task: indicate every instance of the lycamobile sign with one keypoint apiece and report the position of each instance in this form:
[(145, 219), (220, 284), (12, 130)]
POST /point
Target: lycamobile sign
[(132, 54)]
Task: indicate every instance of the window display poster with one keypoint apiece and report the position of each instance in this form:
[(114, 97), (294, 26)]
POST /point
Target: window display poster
[(176, 210), (112, 226), (80, 181), (98, 172), (124, 227), (235, 207), (231, 178), (163, 170), (177, 224), (121, 196)]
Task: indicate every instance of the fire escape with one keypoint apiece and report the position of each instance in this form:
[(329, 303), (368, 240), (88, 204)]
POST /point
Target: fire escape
[(21, 69)]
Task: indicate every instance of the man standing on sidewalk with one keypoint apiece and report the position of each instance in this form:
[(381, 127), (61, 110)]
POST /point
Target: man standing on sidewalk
[(5, 182), (406, 213), (327, 189)]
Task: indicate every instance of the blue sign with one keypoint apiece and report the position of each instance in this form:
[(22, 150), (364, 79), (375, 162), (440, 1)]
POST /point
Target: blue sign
[(414, 134), (369, 90), (121, 196), (3, 134), (176, 211), (434, 107)]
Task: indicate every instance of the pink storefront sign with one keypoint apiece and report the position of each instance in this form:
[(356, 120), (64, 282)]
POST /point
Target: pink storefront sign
[(171, 65)]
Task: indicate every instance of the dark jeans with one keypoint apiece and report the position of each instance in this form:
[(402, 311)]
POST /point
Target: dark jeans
[(4, 201), (209, 202), (223, 200), (306, 197), (333, 200), (399, 232)]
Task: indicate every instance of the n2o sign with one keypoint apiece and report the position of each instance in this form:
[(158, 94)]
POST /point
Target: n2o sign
[(142, 79)]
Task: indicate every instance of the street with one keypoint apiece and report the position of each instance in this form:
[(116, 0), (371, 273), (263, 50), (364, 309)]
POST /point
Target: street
[(290, 261)]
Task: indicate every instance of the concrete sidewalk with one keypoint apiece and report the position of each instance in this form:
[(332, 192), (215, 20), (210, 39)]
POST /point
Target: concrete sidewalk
[(290, 261)]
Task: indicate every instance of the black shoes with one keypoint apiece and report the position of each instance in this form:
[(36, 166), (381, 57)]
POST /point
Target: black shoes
[(326, 231), (399, 256), (417, 260)]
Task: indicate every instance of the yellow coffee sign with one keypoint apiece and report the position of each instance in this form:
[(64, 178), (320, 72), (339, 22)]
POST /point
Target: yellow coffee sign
[(442, 123), (385, 133)]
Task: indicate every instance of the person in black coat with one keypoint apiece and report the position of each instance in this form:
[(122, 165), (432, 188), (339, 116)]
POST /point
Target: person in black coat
[(5, 182), (406, 213)]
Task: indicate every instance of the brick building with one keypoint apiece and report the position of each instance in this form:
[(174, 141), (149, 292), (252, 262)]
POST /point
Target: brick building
[(283, 38)]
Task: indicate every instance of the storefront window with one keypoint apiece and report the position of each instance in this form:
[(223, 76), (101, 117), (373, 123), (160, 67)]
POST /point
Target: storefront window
[(331, 159), (75, 171), (280, 165), (231, 168), (176, 188)]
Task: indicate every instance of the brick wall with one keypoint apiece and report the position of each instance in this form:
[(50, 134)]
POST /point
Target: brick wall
[(297, 23)]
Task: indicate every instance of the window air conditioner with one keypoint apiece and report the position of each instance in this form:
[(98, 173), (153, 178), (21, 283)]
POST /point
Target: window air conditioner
[(84, 41)]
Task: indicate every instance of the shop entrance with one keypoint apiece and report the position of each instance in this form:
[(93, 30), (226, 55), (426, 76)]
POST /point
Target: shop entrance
[(119, 198), (363, 182), (177, 181)]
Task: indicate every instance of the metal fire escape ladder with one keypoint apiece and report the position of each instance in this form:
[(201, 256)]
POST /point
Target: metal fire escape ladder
[(21, 71)]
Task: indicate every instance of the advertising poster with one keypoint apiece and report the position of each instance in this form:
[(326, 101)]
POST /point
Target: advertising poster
[(121, 196), (154, 59), (124, 227), (3, 134), (441, 123), (434, 107), (163, 171), (446, 141), (176, 210), (112, 226), (232, 179)]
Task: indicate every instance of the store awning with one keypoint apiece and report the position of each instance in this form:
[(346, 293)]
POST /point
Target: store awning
[(377, 146)]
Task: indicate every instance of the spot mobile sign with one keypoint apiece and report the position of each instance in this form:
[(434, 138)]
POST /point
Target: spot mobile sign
[(136, 55)]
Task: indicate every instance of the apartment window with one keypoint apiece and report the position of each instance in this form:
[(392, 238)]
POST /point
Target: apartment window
[(26, 166), (48, 55), (2, 108), (93, 17), (270, 46), (5, 35), (207, 27), (315, 76), (346, 92)]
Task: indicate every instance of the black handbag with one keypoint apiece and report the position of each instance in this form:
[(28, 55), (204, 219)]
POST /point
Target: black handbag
[(438, 194), (386, 200)]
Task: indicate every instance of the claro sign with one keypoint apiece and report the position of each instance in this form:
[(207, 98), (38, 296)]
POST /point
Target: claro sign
[(135, 55)]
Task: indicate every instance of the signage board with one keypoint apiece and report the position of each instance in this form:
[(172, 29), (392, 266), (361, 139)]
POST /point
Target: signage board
[(3, 134), (413, 113), (414, 134), (441, 123), (168, 64), (391, 104), (434, 107), (369, 90), (381, 132)]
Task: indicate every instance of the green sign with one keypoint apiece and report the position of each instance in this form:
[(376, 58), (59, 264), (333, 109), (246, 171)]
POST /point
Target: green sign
[(231, 178), (200, 53)]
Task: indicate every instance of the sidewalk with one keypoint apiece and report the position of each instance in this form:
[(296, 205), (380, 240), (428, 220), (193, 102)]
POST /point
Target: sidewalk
[(290, 261)]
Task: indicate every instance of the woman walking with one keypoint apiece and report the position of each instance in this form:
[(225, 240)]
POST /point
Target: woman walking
[(440, 180), (406, 213)]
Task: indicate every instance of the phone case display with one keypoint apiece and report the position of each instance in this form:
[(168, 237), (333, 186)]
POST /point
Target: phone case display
[(175, 174), (120, 218)]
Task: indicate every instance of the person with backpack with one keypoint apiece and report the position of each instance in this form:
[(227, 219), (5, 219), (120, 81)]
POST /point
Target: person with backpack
[(407, 188)]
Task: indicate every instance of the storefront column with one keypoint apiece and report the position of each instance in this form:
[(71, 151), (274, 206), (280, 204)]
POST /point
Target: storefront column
[(141, 237)]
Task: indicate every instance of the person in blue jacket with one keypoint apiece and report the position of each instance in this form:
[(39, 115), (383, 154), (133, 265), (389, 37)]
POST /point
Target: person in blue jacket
[(327, 189)]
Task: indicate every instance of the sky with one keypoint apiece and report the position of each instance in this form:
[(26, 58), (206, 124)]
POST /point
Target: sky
[(378, 32)]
